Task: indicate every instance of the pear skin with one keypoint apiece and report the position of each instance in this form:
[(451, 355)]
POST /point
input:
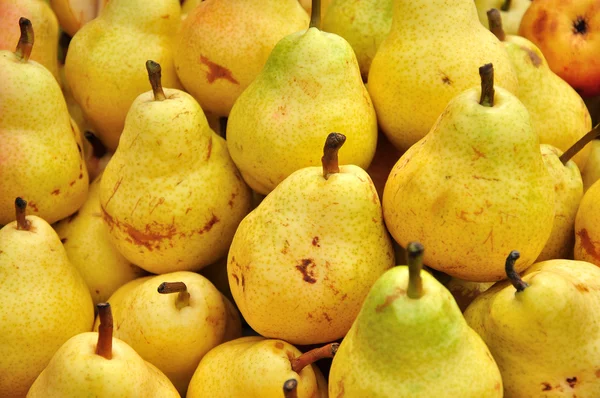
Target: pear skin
[(587, 227), (591, 172)]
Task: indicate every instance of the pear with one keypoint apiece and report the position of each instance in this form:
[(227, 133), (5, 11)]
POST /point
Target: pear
[(44, 300), (511, 12), (309, 87), (591, 172), (257, 367), (42, 159), (540, 328), (171, 195), (73, 14), (429, 56), (410, 340), (475, 185), (105, 61), (464, 292), (100, 365)]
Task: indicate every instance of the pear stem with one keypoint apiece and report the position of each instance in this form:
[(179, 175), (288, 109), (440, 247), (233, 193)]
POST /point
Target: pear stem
[(415, 265), (330, 154), (315, 14), (506, 5), (513, 275), (23, 223), (578, 146), (183, 298), (154, 73), (290, 388), (309, 357), (486, 72), (105, 331), (98, 148), (495, 22), (25, 44)]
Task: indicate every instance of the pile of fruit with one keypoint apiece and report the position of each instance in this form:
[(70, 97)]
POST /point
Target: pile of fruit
[(279, 198)]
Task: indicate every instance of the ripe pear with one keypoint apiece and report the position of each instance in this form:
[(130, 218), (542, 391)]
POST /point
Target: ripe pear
[(310, 86), (322, 232), (464, 292), (102, 366), (73, 14), (257, 367), (171, 195), (215, 64), (42, 159), (410, 340), (105, 61), (591, 172), (540, 328), (475, 185), (44, 300), (587, 227), (511, 12), (430, 55)]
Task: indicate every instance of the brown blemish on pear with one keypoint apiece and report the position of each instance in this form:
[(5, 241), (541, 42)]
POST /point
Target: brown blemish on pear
[(390, 299), (587, 243), (539, 25), (216, 71), (315, 241), (306, 267), (546, 386), (572, 381)]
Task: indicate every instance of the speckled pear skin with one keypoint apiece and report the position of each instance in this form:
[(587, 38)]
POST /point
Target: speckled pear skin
[(431, 55), (105, 64), (41, 157), (473, 189), (77, 371), (171, 196), (252, 367), (587, 227), (545, 339), (404, 347), (568, 188), (303, 261), (310, 87), (44, 303)]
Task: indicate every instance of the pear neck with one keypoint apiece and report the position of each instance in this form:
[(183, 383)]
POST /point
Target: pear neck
[(437, 18)]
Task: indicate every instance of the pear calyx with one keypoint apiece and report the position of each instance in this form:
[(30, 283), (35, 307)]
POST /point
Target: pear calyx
[(154, 74), (25, 44), (183, 298), (98, 148), (105, 331), (315, 14), (289, 388), (330, 154), (415, 264), (486, 72), (513, 275), (578, 146), (506, 5), (495, 22), (309, 357), (23, 223)]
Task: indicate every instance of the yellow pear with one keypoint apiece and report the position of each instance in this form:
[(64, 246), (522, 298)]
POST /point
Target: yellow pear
[(73, 14), (591, 171), (587, 227)]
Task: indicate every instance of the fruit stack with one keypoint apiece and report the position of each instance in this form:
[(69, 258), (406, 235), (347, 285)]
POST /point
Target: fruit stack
[(279, 198)]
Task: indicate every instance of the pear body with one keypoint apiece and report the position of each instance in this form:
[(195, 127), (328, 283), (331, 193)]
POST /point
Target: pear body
[(424, 62), (412, 347), (44, 303), (310, 87), (511, 17), (105, 62), (473, 189), (591, 172), (587, 227), (544, 346), (171, 195), (73, 14), (326, 239)]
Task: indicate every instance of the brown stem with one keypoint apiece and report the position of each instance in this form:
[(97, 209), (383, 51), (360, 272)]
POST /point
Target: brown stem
[(414, 252), (513, 275), (506, 5), (154, 73), (290, 388), (330, 154), (98, 148), (26, 40), (315, 14), (23, 223), (495, 22), (105, 331), (183, 298), (309, 357), (486, 72), (578, 146)]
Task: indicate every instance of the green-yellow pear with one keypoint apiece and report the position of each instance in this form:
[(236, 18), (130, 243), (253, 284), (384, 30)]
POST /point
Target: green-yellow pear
[(40, 148), (44, 300), (86, 239), (309, 87), (430, 55), (542, 329), (105, 61), (474, 187), (255, 367), (591, 171), (102, 366), (410, 340), (511, 11), (215, 64), (302, 262), (171, 195)]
